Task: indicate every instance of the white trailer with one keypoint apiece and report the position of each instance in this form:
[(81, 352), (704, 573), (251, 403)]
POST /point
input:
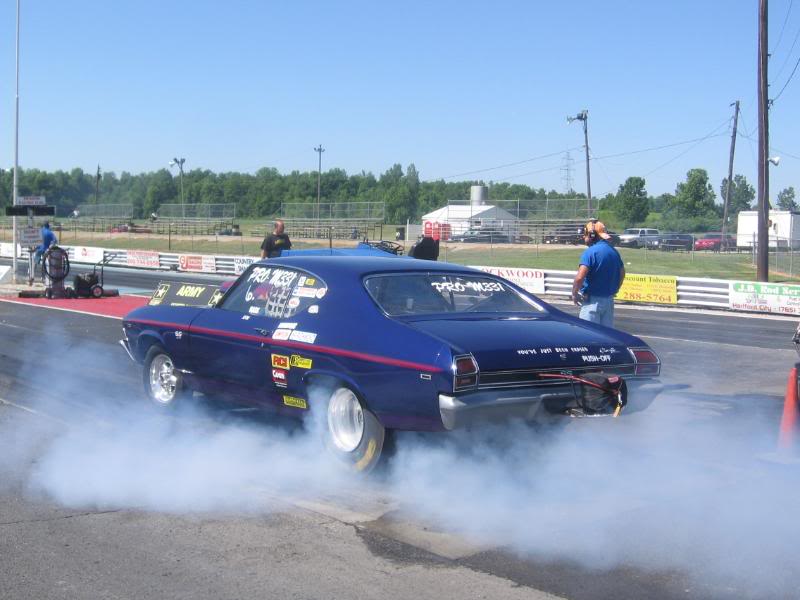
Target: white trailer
[(784, 229)]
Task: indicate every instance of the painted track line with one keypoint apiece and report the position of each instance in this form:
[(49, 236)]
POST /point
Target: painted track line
[(27, 409), (674, 339), (72, 310)]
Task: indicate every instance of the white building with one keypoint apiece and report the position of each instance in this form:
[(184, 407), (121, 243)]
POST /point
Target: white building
[(475, 215)]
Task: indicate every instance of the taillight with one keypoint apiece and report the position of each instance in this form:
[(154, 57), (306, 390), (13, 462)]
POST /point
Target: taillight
[(465, 372), (647, 362)]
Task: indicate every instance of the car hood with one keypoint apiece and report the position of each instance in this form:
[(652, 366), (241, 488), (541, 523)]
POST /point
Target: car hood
[(523, 343)]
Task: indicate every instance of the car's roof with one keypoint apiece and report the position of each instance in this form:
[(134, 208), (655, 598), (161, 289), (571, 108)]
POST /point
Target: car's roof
[(362, 265)]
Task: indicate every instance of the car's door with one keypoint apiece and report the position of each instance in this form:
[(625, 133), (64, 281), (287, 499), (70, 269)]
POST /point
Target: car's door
[(229, 343), (241, 342)]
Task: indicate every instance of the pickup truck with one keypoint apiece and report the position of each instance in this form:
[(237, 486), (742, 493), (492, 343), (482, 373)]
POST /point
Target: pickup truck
[(637, 237)]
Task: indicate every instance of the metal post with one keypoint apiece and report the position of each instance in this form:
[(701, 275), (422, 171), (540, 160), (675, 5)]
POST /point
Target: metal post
[(762, 257), (16, 158), (183, 201), (319, 150), (588, 175)]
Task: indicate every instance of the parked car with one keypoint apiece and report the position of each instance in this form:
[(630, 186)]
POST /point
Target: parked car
[(637, 237), (482, 236), (714, 241), (572, 234), (671, 242), (381, 344)]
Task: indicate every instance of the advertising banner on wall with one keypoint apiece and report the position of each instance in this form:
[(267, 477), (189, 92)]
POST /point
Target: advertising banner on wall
[(201, 263), (658, 289), (7, 249), (240, 263), (765, 297), (143, 258), (87, 254), (530, 280)]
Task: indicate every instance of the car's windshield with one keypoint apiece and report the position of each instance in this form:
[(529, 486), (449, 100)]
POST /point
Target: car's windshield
[(435, 293), (634, 231)]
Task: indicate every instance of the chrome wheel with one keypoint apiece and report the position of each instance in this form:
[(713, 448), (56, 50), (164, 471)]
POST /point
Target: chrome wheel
[(345, 420), (163, 380)]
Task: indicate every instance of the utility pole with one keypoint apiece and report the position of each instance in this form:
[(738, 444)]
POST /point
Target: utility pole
[(730, 173), (97, 184), (319, 150), (584, 116), (16, 159), (762, 252)]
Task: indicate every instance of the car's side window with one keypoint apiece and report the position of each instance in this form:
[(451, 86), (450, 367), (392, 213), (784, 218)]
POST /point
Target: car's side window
[(275, 292), (307, 290)]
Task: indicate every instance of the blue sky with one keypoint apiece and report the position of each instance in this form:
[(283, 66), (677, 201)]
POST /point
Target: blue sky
[(451, 86)]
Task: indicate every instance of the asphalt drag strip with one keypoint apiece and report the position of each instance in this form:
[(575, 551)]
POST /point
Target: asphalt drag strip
[(644, 506)]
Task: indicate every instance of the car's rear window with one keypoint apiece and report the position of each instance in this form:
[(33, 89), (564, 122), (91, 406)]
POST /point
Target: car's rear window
[(436, 293)]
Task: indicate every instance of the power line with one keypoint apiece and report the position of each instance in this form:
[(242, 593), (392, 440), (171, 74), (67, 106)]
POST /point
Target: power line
[(712, 133), (772, 148), (643, 150), (786, 18), (788, 54), (513, 164), (771, 102)]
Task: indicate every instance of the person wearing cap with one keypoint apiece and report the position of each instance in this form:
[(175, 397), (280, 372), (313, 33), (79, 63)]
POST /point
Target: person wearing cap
[(600, 275), (276, 242)]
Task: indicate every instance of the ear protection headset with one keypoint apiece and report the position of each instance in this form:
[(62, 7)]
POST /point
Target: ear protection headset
[(589, 229)]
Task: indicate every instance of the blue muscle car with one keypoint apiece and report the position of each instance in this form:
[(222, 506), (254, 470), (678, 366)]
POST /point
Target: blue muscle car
[(382, 344)]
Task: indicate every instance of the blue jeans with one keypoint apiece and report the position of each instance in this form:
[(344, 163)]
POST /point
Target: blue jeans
[(599, 309)]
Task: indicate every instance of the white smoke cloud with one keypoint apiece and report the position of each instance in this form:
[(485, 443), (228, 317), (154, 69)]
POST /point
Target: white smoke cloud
[(674, 487)]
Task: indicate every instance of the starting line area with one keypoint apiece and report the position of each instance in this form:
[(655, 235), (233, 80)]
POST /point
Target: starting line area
[(112, 307)]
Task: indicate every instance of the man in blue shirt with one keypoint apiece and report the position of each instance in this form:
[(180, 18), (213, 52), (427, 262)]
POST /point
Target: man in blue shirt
[(48, 239), (600, 275)]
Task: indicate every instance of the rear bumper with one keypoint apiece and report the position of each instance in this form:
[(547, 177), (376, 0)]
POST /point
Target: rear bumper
[(526, 403)]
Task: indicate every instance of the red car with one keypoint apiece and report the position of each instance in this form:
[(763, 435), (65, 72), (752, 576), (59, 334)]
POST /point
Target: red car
[(713, 241)]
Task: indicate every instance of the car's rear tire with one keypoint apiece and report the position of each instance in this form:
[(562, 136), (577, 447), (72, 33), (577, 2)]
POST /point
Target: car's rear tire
[(163, 383), (352, 433)]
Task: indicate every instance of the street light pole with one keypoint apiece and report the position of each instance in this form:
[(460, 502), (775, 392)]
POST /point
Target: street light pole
[(319, 150), (16, 158), (584, 116), (179, 162)]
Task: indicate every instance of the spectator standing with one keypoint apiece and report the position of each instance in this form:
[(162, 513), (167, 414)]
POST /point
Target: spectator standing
[(276, 242), (48, 239), (599, 277)]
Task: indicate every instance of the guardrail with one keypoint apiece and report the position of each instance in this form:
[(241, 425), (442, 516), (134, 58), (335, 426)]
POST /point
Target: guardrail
[(691, 291)]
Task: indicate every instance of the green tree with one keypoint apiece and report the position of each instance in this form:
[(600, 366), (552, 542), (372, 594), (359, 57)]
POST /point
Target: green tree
[(786, 199), (742, 194), (632, 206), (693, 197), (160, 190)]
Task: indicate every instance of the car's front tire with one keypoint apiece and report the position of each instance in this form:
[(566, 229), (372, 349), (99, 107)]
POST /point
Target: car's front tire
[(352, 433), (163, 383)]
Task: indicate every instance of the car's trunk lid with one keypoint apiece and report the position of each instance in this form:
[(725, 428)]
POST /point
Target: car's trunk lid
[(500, 344)]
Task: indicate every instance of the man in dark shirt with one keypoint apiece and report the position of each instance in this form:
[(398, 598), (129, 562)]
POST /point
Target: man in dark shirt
[(600, 275), (275, 242)]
